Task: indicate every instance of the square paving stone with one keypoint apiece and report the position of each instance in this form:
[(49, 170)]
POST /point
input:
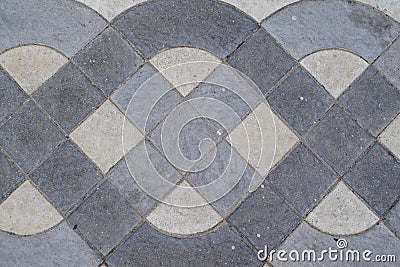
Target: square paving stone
[(66, 176), (105, 218), (302, 179), (376, 178), (264, 218), (28, 136), (10, 177), (68, 97), (219, 248), (389, 64), (300, 101), (262, 60), (146, 98), (339, 140), (11, 96), (108, 60), (372, 101), (393, 218)]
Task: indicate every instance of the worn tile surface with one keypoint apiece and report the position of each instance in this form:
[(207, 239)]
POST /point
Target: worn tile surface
[(198, 133)]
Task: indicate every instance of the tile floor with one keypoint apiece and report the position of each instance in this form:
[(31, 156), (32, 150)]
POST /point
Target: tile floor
[(199, 132)]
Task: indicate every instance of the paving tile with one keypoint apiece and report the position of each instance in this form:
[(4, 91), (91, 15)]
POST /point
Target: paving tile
[(309, 26), (184, 212), (264, 218), (262, 59), (389, 7), (393, 218), (110, 9), (388, 63), (218, 248), (339, 140), (68, 97), (10, 95), (372, 101), (185, 67), (106, 137), (224, 178), (66, 26), (334, 69), (390, 137), (108, 60), (10, 177), (260, 9), (141, 174), (146, 98), (379, 240), (215, 27), (255, 139), (342, 213), (28, 136), (376, 178), (104, 218), (27, 212), (53, 248), (32, 65), (300, 101), (302, 179), (66, 176)]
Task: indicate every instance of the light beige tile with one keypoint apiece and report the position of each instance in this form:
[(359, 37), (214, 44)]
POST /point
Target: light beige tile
[(105, 137), (185, 67), (342, 213), (32, 65), (391, 137), (259, 9), (389, 7), (181, 213), (334, 69), (262, 139), (110, 8), (27, 212)]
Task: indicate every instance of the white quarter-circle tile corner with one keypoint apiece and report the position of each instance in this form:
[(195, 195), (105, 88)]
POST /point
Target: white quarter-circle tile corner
[(390, 137), (32, 65), (185, 67), (27, 212), (186, 214), (106, 136), (334, 69), (342, 213)]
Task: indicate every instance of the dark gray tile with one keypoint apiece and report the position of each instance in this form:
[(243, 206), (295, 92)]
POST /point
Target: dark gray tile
[(300, 100), (219, 248), (66, 176), (28, 136), (159, 25), (388, 63), (105, 218), (66, 25), (108, 60), (11, 97), (309, 26), (146, 98), (393, 218), (264, 218), (302, 179), (58, 247), (372, 101), (376, 178), (68, 97), (262, 60), (339, 140), (10, 177)]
